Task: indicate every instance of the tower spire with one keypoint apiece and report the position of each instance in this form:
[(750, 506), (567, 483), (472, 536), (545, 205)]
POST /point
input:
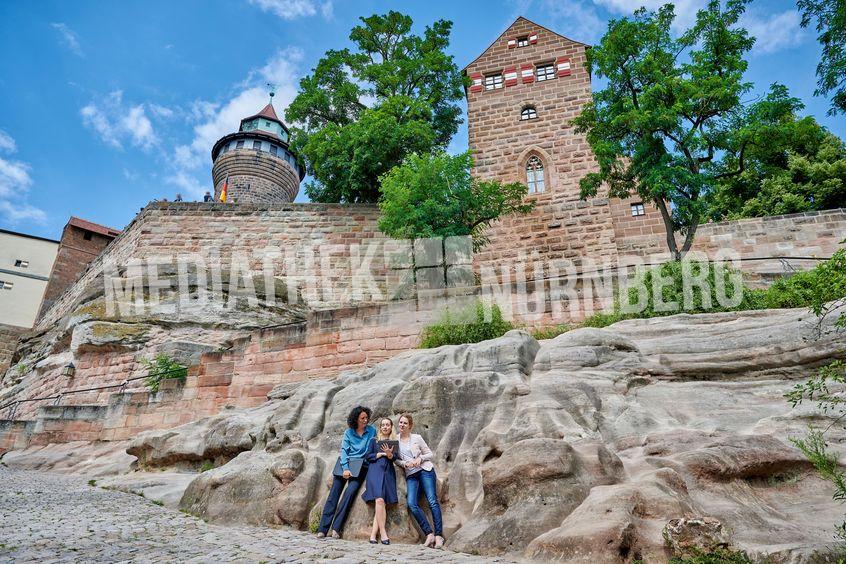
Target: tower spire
[(272, 88)]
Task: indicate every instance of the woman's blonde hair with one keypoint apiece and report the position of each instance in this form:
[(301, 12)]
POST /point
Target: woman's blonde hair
[(379, 435)]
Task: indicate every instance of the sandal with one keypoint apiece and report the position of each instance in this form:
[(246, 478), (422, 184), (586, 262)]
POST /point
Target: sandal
[(374, 541), (386, 541)]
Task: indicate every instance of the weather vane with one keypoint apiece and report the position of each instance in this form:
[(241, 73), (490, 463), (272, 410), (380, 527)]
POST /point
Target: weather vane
[(272, 88)]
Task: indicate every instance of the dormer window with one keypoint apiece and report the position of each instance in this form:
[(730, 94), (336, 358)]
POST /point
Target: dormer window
[(528, 112), (493, 81), (523, 41), (20, 263)]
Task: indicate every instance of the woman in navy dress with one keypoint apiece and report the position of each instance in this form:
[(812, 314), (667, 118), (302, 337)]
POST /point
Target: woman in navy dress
[(381, 484)]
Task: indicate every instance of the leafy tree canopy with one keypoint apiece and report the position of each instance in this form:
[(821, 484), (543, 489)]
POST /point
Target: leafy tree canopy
[(830, 16), (434, 195), (362, 110), (802, 167), (670, 123)]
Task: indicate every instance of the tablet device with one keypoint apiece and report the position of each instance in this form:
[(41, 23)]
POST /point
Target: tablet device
[(394, 444)]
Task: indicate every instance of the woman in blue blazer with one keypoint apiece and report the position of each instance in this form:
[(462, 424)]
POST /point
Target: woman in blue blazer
[(381, 484)]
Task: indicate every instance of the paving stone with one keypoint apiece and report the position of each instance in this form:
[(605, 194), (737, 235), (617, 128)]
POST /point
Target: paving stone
[(57, 518)]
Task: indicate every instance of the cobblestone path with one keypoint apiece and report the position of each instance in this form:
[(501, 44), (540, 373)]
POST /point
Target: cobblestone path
[(58, 518)]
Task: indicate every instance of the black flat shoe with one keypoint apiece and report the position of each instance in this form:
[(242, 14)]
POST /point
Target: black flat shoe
[(386, 541), (373, 541)]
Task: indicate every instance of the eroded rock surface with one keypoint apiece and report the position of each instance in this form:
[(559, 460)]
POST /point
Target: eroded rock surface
[(581, 448)]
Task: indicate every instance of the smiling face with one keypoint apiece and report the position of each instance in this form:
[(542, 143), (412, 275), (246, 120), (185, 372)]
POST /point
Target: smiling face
[(404, 425), (363, 419), (385, 427)]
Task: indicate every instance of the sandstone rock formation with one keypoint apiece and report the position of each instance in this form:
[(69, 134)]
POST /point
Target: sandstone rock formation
[(580, 448)]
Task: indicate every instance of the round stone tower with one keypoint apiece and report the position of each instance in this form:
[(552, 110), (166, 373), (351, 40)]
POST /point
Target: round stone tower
[(256, 163)]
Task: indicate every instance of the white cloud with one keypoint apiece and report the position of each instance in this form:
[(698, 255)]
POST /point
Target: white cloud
[(7, 143), (69, 38), (14, 178), (115, 122), (15, 213), (14, 184), (575, 19), (685, 9), (292, 9), (779, 31), (194, 158)]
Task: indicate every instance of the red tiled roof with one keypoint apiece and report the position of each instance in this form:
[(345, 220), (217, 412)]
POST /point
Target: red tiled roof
[(266, 112), (95, 227)]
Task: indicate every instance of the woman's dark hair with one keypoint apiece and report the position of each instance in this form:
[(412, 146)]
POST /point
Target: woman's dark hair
[(352, 418)]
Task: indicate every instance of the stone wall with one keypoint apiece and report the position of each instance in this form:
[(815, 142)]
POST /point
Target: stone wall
[(9, 337), (255, 177), (245, 230), (77, 248)]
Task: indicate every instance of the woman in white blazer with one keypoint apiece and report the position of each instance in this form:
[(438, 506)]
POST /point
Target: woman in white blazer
[(415, 457)]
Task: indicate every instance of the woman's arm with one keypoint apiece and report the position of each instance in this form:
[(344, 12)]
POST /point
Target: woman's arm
[(345, 452), (425, 452), (371, 455)]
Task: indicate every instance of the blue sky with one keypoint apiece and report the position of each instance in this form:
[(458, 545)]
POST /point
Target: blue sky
[(107, 105)]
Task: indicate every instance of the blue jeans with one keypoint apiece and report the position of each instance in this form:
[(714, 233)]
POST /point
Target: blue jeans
[(430, 487), (334, 514)]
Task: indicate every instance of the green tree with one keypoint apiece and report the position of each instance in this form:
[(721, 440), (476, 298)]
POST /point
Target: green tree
[(434, 195), (669, 124), (361, 111), (801, 167), (830, 16)]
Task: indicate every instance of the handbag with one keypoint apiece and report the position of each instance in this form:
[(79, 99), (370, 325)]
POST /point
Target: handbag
[(355, 464)]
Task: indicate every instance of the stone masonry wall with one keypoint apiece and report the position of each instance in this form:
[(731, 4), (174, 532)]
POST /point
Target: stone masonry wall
[(255, 177), (74, 254), (209, 229), (9, 336)]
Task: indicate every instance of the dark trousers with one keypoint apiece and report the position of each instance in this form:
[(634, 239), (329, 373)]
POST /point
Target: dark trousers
[(334, 514), (429, 481)]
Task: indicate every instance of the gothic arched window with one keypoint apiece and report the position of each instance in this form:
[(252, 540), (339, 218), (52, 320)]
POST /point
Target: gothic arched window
[(534, 175), (528, 112)]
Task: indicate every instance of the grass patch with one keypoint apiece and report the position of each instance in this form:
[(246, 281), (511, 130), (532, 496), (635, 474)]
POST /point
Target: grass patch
[(206, 466), (157, 502), (471, 325), (717, 557), (550, 332), (92, 483)]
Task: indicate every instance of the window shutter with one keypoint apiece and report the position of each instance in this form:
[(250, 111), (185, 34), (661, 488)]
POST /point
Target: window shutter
[(512, 43), (562, 65), (510, 76), (476, 82), (527, 72), (533, 38)]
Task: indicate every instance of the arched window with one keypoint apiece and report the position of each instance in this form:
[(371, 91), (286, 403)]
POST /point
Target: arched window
[(534, 175), (528, 112)]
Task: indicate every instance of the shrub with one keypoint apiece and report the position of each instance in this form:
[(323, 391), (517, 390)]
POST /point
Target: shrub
[(475, 324), (696, 301), (162, 367), (206, 466)]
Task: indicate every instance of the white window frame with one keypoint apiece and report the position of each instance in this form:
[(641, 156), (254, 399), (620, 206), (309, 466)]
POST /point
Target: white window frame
[(638, 209), (523, 41), (527, 113), (494, 81), (545, 72), (535, 178)]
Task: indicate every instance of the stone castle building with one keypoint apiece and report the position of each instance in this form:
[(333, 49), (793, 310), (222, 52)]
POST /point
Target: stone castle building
[(256, 162), (526, 87)]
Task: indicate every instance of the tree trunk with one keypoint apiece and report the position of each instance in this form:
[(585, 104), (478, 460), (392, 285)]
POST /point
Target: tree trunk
[(668, 227)]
